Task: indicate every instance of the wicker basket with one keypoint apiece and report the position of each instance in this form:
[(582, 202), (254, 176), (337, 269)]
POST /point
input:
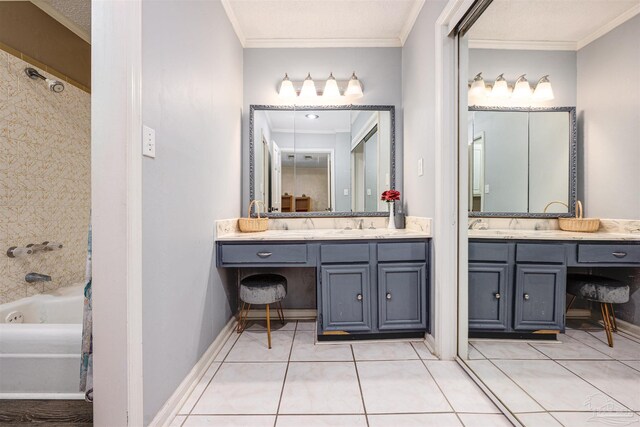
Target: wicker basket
[(579, 224), (253, 225)]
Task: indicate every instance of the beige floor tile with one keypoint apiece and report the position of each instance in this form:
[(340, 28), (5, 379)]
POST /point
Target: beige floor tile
[(553, 386), (261, 325), (400, 387), (538, 419), (459, 389), (423, 351), (569, 349), (414, 420), (243, 388), (306, 325), (623, 348), (474, 354), (321, 388), (305, 350), (199, 389), (484, 420), (384, 351), (635, 364), (597, 419), (252, 347), (321, 421), (177, 421), (230, 421), (226, 347), (507, 350)]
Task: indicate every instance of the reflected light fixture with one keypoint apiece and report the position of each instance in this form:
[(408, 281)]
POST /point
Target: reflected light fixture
[(354, 89), (522, 89), (543, 91), (286, 88), (331, 89), (308, 88), (500, 88), (312, 116), (477, 88)]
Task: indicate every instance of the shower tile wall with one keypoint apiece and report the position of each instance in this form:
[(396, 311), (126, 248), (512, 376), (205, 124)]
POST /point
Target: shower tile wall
[(44, 180)]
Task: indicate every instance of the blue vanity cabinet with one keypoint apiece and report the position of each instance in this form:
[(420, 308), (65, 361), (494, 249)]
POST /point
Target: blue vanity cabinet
[(539, 297), (346, 298), (402, 296), (488, 296)]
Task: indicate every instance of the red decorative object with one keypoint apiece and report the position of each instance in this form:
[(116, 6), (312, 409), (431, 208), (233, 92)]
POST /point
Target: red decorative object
[(390, 196)]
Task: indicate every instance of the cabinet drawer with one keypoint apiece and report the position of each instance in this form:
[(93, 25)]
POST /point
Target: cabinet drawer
[(264, 254), (488, 252), (552, 254), (343, 253), (624, 254), (410, 251)]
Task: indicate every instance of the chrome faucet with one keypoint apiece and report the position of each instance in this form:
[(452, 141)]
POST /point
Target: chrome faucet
[(481, 225), (37, 277)]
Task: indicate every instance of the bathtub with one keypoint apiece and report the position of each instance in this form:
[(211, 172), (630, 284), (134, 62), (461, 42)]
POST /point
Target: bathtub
[(40, 357)]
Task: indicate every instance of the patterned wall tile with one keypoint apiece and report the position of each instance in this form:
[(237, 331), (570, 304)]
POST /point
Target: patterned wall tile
[(45, 171)]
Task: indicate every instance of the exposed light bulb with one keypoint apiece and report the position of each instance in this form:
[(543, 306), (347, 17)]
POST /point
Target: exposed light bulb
[(354, 89), (522, 89), (543, 91), (500, 88), (308, 88), (286, 88), (331, 89)]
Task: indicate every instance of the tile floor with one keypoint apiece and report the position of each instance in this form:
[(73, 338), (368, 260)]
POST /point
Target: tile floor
[(300, 383), (579, 381)]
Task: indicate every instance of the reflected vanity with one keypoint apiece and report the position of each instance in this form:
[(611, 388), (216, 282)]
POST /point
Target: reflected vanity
[(323, 160)]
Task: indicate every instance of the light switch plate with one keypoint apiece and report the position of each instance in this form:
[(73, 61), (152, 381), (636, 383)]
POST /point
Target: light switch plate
[(486, 189), (148, 142), (368, 191), (345, 192), (420, 166)]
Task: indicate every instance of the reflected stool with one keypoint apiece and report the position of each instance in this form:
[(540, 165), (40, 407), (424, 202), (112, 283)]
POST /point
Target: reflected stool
[(262, 289), (602, 290)]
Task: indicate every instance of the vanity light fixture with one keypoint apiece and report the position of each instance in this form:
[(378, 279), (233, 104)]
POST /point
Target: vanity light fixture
[(308, 88), (331, 89), (500, 88), (478, 87), (522, 89), (354, 89), (286, 88), (543, 91), (312, 116)]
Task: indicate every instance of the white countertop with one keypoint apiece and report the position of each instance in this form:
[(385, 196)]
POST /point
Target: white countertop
[(551, 235), (325, 234)]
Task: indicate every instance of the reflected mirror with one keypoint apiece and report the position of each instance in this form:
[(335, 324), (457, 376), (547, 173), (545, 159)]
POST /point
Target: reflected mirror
[(318, 161), (522, 162)]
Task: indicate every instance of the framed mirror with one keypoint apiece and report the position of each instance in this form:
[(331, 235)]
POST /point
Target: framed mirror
[(322, 160), (522, 162)]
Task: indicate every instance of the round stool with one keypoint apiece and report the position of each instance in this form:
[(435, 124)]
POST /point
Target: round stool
[(602, 290), (262, 289)]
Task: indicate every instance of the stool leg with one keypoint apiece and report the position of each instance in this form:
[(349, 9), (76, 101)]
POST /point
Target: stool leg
[(268, 327), (242, 321), (280, 312), (613, 318), (573, 298), (607, 322)]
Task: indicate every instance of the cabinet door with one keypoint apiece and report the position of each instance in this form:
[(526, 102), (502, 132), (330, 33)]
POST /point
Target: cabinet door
[(402, 296), (539, 297), (488, 296), (346, 298)]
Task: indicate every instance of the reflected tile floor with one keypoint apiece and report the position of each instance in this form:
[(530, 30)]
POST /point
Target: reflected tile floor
[(578, 381), (344, 384)]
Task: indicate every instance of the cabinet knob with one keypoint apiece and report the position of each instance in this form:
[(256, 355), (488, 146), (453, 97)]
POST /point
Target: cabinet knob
[(389, 295), (526, 296), (359, 297), (497, 295), (619, 254)]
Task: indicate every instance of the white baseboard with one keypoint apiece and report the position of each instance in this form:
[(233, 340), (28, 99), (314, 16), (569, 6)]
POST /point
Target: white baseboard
[(171, 407), (289, 313), (430, 342), (629, 328)]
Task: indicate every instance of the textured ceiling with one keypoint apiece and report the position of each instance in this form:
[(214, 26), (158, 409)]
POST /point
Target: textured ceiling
[(572, 21), (310, 23), (74, 14)]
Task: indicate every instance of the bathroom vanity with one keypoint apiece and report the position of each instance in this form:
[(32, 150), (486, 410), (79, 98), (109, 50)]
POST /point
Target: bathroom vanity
[(517, 278), (370, 282)]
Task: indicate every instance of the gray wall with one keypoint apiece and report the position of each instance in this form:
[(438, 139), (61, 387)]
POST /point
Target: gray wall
[(379, 68), (418, 94), (560, 65), (609, 122), (192, 96)]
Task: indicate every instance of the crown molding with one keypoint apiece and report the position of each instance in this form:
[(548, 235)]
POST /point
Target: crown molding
[(522, 45), (320, 43), (411, 20), (69, 24), (226, 4), (619, 20)]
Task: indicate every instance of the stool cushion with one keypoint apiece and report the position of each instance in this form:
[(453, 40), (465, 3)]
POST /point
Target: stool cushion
[(597, 288), (263, 288)]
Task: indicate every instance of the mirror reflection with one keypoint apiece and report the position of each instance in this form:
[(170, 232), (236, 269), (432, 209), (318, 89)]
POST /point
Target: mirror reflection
[(323, 160), (520, 160)]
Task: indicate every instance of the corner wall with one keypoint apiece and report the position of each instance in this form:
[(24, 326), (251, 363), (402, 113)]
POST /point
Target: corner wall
[(192, 97)]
